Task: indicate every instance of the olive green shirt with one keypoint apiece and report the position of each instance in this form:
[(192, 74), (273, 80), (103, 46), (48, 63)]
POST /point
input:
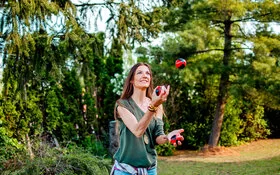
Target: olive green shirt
[(137, 152)]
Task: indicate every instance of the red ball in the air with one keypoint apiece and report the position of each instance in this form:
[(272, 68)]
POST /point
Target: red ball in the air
[(180, 63)]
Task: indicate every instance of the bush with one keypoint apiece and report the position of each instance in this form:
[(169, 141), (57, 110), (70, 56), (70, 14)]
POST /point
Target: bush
[(165, 149), (94, 146), (49, 161), (8, 147), (243, 122)]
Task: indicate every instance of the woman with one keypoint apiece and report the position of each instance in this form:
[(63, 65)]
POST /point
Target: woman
[(139, 114)]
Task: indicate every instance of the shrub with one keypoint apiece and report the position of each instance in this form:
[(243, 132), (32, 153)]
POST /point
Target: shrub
[(165, 149), (94, 146), (49, 161)]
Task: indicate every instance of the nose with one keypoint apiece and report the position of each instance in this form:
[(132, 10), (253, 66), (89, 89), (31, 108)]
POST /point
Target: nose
[(144, 75)]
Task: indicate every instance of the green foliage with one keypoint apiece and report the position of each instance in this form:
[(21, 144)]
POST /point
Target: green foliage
[(243, 123), (186, 107), (209, 35), (9, 146), (31, 115), (71, 124), (232, 123), (60, 161), (46, 87), (53, 114), (254, 126), (94, 146), (165, 149), (132, 21)]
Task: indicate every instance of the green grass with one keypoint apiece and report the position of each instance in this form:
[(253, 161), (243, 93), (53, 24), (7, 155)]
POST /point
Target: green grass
[(257, 167)]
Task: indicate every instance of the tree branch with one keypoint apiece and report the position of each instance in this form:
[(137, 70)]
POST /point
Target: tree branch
[(96, 4), (252, 17), (210, 50)]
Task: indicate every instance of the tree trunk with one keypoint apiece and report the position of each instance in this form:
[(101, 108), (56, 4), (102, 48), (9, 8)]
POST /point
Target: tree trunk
[(29, 148), (223, 89)]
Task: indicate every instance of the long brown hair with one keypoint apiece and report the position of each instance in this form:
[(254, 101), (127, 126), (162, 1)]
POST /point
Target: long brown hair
[(128, 87)]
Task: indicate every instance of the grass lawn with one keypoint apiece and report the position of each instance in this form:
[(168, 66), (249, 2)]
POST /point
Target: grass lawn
[(254, 167), (256, 158)]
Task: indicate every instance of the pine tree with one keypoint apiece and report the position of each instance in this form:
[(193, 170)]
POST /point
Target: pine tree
[(229, 18)]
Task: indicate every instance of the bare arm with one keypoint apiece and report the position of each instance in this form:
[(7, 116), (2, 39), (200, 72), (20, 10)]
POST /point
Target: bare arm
[(138, 128)]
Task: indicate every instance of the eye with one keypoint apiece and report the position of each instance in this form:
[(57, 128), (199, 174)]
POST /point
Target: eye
[(139, 72)]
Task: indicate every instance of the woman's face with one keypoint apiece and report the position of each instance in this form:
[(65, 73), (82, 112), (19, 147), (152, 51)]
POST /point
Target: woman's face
[(142, 77)]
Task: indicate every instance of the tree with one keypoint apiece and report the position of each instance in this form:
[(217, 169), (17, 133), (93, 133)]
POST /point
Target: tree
[(229, 18), (54, 66), (128, 21)]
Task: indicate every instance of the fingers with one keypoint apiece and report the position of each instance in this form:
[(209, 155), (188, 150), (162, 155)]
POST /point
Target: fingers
[(165, 90), (180, 130), (180, 138), (165, 93), (168, 88), (178, 143), (160, 94)]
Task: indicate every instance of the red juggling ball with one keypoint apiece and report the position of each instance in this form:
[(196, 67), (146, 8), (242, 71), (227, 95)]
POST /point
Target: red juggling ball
[(180, 63)]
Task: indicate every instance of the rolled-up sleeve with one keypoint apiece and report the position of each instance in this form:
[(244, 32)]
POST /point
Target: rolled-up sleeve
[(158, 128)]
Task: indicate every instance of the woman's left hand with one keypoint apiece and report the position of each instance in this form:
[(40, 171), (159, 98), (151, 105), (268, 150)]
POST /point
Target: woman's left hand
[(157, 100), (175, 137)]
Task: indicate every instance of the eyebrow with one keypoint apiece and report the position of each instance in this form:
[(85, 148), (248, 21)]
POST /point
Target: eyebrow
[(143, 71)]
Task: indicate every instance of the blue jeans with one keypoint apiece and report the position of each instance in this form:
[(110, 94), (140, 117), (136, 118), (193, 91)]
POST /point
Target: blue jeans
[(152, 171)]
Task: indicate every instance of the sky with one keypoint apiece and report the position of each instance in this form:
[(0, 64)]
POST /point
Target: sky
[(101, 23)]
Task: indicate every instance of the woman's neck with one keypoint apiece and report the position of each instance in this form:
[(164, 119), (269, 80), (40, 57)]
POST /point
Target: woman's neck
[(139, 96)]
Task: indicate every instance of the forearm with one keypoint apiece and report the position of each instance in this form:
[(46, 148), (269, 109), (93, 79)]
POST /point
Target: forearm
[(143, 123), (138, 128)]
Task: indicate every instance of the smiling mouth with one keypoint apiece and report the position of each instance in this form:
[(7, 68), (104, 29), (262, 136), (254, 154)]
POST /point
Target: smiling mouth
[(146, 81)]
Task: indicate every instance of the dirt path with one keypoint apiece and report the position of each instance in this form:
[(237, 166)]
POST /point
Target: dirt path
[(261, 149)]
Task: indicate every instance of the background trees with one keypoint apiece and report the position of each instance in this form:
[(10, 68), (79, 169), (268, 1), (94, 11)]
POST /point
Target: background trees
[(60, 75), (57, 75), (214, 32)]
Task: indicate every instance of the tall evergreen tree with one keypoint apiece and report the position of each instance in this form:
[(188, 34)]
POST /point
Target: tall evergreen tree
[(230, 19)]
